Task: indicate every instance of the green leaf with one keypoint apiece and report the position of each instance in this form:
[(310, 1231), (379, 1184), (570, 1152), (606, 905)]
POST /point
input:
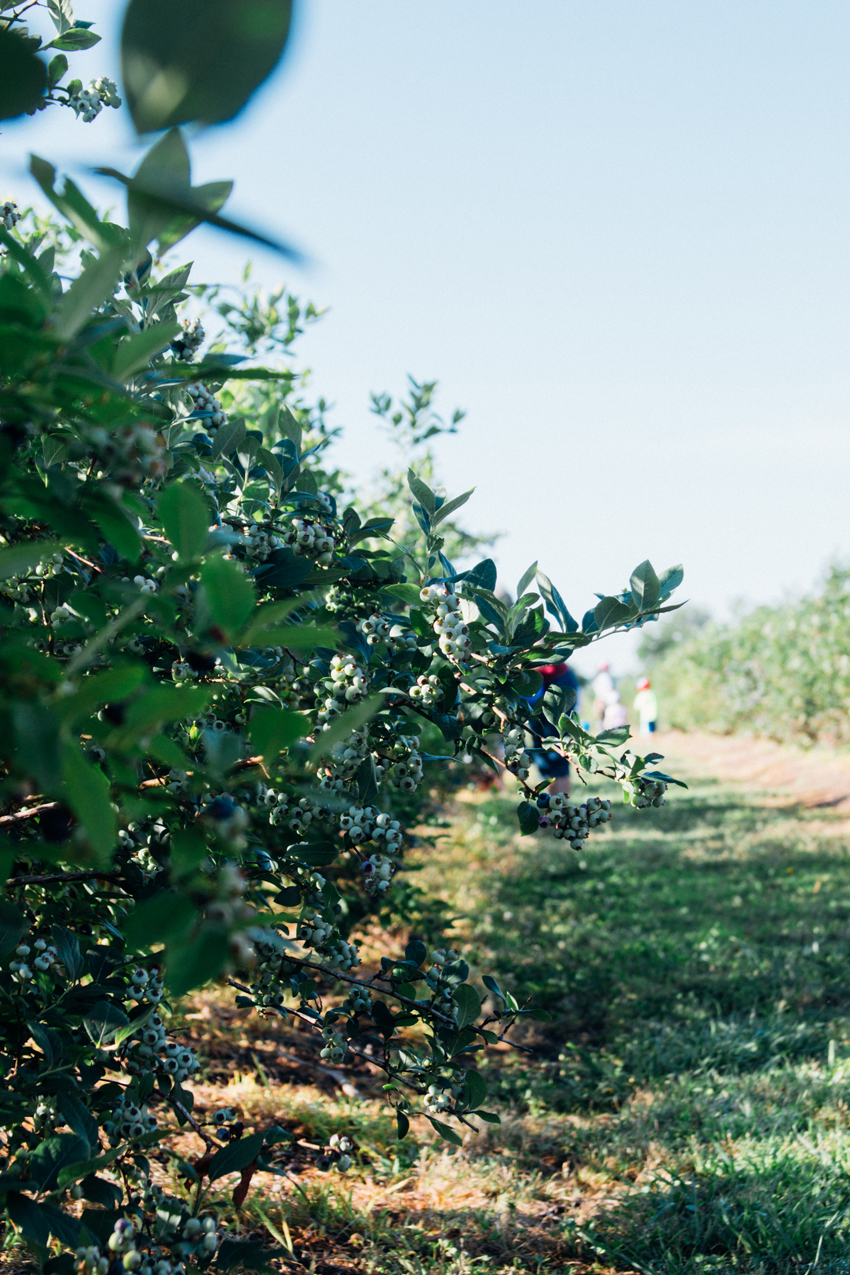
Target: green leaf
[(185, 518), (87, 293), (74, 40), (163, 205), (489, 1116), (528, 817), (526, 580), (17, 559), (490, 983), (248, 1255), (136, 351), (402, 1123), (408, 593), (474, 1089), (645, 586), (670, 580), (13, 925), (423, 493), (78, 1117), (273, 729), (610, 612), (194, 961), (445, 1131), (87, 793), (23, 76), (73, 205), (102, 1023), (229, 594), (229, 437), (117, 529), (76, 1172), (316, 854), (235, 1156), (468, 1004), (297, 637), (184, 62), (161, 919), (449, 507)]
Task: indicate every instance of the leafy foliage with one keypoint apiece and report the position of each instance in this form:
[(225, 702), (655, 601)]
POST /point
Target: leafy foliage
[(216, 684)]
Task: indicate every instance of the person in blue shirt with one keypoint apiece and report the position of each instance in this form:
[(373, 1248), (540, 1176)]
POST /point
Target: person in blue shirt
[(551, 764)]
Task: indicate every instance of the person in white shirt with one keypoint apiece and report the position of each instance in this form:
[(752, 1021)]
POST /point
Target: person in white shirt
[(647, 705)]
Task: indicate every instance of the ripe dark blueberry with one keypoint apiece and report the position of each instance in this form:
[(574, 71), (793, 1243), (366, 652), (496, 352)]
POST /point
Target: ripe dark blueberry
[(543, 800), (114, 713), (221, 808), (199, 662), (55, 825)]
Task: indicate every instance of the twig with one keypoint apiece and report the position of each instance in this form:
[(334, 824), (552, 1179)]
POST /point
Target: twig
[(350, 1090), (360, 982), (51, 878), (29, 813), (209, 1142)]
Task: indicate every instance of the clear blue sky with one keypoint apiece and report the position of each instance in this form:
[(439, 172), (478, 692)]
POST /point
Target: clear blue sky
[(617, 233)]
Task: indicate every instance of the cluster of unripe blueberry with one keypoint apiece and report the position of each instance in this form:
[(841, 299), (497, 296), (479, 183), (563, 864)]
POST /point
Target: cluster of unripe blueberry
[(426, 690), (441, 1095), (206, 407), (337, 1155), (9, 215), (311, 540), (88, 103), (33, 959), (146, 985), (404, 765), (150, 1051), (130, 454), (517, 760), (261, 542), (189, 340), (346, 684), (345, 757), (572, 823), (377, 873), (648, 792), (374, 628), (128, 1122), (335, 1048), (443, 992), (448, 623), (358, 1001)]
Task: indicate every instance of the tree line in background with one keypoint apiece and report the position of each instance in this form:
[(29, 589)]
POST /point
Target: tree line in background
[(779, 671)]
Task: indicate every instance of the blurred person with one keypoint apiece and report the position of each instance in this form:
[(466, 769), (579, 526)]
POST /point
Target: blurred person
[(616, 713), (647, 706), (551, 764), (604, 691)]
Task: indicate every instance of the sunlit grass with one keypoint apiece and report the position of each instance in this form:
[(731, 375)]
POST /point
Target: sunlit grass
[(686, 1111)]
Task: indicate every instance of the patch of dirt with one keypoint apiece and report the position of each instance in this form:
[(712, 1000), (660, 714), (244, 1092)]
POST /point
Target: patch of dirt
[(818, 778)]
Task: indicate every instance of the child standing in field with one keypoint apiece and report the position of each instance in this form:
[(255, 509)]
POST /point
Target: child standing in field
[(647, 706)]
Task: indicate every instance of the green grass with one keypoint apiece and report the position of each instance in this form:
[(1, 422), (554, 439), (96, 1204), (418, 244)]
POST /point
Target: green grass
[(694, 1083)]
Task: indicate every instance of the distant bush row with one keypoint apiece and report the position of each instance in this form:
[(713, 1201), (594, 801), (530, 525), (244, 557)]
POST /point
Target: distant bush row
[(782, 672)]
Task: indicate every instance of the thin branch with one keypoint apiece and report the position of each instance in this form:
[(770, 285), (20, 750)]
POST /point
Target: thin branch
[(52, 878), (28, 813), (359, 982), (209, 1142)]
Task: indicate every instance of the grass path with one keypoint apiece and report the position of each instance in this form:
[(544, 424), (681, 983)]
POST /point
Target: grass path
[(687, 1111)]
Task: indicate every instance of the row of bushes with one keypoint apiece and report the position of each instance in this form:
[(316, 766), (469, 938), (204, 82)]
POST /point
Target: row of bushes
[(779, 671)]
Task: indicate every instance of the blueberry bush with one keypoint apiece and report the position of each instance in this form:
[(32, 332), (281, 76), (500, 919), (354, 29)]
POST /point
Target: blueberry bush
[(221, 684)]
